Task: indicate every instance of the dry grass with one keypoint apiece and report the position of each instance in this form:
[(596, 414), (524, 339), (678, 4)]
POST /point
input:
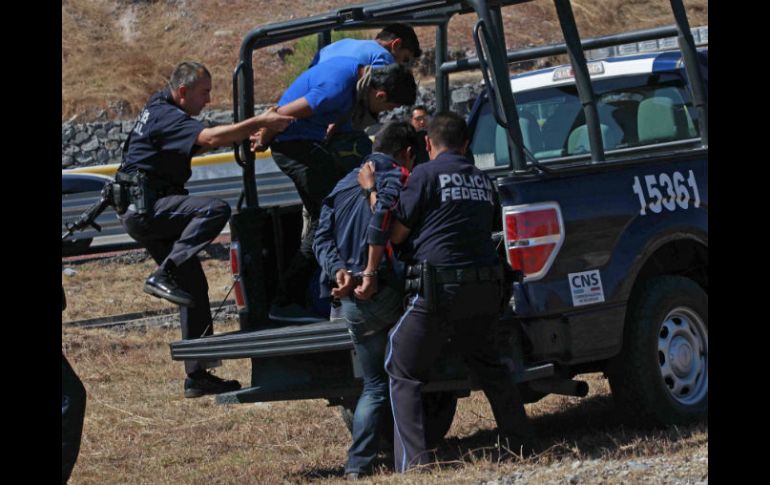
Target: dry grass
[(115, 52), (140, 430), (122, 291)]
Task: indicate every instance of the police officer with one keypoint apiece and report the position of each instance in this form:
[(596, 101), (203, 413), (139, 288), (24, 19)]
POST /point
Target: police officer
[(444, 218), (172, 225), (73, 411)]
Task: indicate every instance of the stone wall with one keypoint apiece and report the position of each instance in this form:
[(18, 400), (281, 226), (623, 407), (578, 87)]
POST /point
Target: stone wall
[(101, 143)]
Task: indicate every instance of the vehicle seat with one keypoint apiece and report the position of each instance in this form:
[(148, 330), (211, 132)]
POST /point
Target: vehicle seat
[(530, 132), (578, 139), (663, 117)]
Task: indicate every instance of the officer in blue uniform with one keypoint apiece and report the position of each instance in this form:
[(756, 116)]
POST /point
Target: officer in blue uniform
[(444, 218), (338, 91), (158, 212)]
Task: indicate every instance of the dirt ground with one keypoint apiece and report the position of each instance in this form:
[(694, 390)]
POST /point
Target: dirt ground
[(139, 429)]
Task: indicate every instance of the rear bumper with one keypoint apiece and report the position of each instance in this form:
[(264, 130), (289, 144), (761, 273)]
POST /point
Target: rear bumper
[(589, 335)]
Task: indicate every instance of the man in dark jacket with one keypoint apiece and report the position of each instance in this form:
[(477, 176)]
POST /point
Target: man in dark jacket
[(172, 225), (351, 220)]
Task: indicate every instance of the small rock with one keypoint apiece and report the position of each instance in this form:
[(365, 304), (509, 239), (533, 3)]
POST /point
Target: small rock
[(92, 145), (69, 272), (223, 33), (80, 137), (67, 161)]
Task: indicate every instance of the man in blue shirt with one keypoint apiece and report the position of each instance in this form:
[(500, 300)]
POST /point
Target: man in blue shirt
[(444, 218), (170, 224), (348, 224), (340, 91), (394, 43)]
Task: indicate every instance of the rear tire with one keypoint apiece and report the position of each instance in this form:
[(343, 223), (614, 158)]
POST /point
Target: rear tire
[(660, 376)]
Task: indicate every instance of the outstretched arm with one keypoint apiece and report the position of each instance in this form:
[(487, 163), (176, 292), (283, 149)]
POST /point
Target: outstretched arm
[(224, 135)]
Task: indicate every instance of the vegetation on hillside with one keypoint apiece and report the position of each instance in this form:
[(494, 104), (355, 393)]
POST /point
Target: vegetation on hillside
[(115, 53)]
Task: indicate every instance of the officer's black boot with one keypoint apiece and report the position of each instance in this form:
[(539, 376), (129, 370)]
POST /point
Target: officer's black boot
[(161, 284), (200, 383)]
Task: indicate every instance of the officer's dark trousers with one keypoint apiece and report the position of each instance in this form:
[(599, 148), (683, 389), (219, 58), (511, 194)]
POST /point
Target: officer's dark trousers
[(468, 314), (180, 227), (315, 168), (73, 410)]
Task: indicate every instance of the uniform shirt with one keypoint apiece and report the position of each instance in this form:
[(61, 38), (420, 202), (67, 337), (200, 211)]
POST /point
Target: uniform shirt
[(450, 206), (347, 224), (162, 141), (368, 52), (330, 90)]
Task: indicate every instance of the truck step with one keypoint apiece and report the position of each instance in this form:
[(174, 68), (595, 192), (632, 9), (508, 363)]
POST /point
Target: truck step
[(269, 342)]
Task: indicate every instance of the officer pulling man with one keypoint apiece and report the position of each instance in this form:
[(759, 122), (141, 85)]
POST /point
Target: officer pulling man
[(444, 221), (156, 210)]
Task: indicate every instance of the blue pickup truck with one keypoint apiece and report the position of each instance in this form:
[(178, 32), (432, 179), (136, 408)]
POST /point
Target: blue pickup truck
[(601, 168)]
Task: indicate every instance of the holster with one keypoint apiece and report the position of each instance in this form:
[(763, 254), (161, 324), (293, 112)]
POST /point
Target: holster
[(141, 191), (421, 278)]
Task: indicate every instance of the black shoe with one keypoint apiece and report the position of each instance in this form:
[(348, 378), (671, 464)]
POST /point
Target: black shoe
[(202, 383), (162, 285)]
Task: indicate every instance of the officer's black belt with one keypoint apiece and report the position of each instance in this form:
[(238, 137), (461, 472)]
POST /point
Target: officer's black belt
[(462, 275)]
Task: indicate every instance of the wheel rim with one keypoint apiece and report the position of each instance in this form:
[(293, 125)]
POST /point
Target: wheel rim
[(683, 355)]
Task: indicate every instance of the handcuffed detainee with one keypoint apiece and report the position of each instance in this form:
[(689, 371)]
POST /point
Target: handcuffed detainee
[(156, 210), (348, 224), (443, 221)]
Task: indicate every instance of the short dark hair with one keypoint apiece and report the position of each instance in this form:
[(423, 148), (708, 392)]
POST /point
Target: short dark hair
[(397, 81), (187, 73), (421, 108), (394, 137), (448, 130), (404, 32)]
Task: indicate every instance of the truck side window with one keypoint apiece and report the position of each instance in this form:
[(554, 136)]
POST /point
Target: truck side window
[(634, 111)]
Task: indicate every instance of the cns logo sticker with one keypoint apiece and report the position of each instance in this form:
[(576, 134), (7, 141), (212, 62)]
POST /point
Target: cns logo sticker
[(586, 287)]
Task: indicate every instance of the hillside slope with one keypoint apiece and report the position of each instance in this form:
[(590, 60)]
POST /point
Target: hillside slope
[(117, 52)]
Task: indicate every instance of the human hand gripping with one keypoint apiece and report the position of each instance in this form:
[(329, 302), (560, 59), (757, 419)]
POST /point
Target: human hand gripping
[(367, 288), (272, 124), (366, 175)]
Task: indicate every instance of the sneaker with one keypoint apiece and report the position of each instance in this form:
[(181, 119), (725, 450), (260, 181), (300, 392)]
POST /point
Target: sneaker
[(201, 383), (293, 313), (162, 285)]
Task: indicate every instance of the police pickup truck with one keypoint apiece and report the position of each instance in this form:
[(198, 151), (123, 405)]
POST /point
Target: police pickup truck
[(601, 168)]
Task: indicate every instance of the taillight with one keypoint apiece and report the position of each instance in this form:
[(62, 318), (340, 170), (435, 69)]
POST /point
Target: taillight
[(235, 266), (533, 236)]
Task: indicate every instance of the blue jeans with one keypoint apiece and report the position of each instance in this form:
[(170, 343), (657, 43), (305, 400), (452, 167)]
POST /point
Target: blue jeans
[(368, 323)]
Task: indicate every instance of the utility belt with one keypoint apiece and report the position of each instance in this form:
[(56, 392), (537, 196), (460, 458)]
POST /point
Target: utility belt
[(425, 279), (140, 191)]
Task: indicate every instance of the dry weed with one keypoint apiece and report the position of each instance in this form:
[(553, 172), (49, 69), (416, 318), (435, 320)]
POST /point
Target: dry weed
[(116, 53), (140, 430)]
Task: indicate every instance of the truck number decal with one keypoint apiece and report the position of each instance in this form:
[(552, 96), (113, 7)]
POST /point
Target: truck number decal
[(666, 192)]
